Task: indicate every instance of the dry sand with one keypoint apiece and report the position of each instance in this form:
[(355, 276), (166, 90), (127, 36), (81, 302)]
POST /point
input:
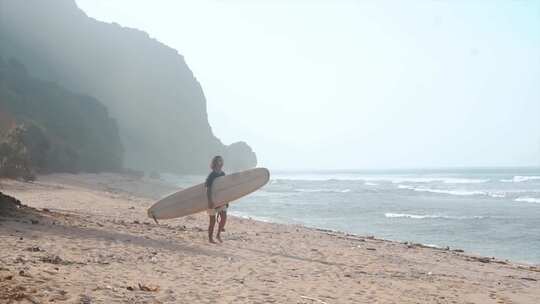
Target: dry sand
[(94, 244)]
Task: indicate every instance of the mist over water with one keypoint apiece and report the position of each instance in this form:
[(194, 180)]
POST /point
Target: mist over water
[(359, 84), (493, 212)]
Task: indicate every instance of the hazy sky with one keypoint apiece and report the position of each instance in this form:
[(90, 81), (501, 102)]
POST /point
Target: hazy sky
[(359, 84)]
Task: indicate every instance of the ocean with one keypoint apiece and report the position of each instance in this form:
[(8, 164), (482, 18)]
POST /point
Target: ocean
[(488, 211)]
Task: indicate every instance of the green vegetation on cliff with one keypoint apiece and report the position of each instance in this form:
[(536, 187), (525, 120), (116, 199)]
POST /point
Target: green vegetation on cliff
[(62, 131)]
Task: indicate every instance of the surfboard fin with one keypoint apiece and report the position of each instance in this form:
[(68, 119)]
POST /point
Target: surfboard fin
[(155, 220)]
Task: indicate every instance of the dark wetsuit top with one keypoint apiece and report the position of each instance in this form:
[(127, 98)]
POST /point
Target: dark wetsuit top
[(211, 177)]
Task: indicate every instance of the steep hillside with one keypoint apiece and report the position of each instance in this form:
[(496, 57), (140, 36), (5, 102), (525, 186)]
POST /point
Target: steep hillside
[(64, 131), (147, 86)]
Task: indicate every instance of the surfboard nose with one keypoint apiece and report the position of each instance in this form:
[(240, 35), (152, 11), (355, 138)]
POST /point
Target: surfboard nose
[(267, 173)]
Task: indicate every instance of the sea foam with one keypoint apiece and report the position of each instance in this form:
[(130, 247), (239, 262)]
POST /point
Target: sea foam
[(528, 200), (324, 190), (442, 191), (444, 180), (431, 216), (520, 179), (453, 192)]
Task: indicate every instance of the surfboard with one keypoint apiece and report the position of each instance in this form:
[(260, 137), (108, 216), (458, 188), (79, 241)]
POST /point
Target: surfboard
[(225, 189)]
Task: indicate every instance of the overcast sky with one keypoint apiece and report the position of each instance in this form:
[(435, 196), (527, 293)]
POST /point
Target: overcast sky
[(359, 84)]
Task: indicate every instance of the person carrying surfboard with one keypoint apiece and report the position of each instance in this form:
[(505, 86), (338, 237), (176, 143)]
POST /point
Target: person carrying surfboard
[(216, 165)]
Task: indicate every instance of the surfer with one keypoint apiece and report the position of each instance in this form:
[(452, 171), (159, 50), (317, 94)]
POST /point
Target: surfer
[(216, 165)]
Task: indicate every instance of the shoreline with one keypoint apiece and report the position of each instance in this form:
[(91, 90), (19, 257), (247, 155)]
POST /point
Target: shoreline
[(345, 234), (492, 215), (165, 187), (95, 241)]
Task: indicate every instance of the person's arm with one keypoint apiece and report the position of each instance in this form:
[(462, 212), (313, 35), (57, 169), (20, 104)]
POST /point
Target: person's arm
[(208, 185), (209, 196)]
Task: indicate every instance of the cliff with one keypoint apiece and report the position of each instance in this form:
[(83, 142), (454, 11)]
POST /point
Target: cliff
[(146, 86), (63, 131)]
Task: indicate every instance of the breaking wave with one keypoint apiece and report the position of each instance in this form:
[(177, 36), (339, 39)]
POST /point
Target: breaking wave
[(444, 180), (528, 200), (431, 216), (520, 179), (452, 192), (324, 190)]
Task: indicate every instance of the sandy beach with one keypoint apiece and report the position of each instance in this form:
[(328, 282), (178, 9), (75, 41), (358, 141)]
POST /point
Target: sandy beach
[(87, 239)]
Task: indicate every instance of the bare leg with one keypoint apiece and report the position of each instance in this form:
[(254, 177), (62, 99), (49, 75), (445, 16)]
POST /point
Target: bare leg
[(223, 220), (211, 225)]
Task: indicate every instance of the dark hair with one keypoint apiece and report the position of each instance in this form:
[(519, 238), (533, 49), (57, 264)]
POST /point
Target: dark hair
[(213, 164)]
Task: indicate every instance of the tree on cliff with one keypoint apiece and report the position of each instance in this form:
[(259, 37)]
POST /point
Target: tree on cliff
[(14, 158), (62, 131)]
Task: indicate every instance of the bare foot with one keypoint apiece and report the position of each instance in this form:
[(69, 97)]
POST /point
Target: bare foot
[(218, 237), (212, 241)]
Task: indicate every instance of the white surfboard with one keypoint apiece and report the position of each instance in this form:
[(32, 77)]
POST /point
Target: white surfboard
[(225, 189)]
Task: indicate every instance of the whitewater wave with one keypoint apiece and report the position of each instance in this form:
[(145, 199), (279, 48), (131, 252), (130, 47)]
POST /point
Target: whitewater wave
[(444, 180), (465, 181), (441, 191), (520, 179), (324, 190), (453, 192), (431, 216), (393, 179), (528, 200), (371, 184), (322, 177), (251, 217)]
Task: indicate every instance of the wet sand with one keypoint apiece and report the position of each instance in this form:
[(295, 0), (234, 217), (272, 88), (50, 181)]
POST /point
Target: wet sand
[(87, 239)]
